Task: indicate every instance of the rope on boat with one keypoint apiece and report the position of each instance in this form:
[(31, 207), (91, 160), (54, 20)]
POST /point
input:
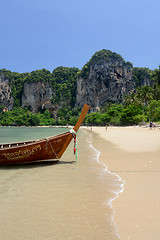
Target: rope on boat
[(74, 133), (60, 161), (52, 148), (75, 143)]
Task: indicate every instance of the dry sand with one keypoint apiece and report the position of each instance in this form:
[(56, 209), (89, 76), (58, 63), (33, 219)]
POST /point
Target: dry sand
[(133, 154)]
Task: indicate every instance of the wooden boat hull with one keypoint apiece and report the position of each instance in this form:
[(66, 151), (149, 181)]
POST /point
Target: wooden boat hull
[(34, 151), (40, 150)]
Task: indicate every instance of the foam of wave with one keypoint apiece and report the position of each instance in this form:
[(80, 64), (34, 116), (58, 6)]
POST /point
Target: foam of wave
[(105, 169)]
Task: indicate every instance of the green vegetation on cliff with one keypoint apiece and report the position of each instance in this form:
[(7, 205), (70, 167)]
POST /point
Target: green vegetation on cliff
[(62, 80), (16, 81), (140, 75), (41, 75), (65, 80), (101, 57), (141, 105)]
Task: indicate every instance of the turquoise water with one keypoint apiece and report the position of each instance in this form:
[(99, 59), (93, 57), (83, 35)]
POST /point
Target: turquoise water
[(61, 201), (17, 134)]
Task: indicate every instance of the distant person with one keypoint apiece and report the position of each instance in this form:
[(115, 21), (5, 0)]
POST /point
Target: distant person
[(154, 125), (106, 126), (150, 125)]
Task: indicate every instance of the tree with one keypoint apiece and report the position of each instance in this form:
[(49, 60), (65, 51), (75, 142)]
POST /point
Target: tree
[(145, 95), (131, 99), (156, 76), (33, 119), (154, 110), (129, 113)]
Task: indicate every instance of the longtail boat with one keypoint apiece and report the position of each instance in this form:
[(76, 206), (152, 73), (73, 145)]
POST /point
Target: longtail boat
[(49, 148)]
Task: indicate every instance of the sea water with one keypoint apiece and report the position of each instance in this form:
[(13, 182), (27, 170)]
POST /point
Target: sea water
[(69, 200)]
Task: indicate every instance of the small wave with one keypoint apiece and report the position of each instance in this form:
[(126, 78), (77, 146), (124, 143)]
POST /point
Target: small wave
[(105, 169)]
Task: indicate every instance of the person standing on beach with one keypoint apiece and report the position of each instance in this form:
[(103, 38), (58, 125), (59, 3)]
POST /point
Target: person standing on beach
[(154, 125), (150, 125), (106, 126)]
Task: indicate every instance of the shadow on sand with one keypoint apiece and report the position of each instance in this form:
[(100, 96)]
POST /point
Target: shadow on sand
[(35, 165)]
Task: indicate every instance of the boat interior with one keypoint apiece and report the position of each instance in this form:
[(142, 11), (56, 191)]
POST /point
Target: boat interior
[(19, 144)]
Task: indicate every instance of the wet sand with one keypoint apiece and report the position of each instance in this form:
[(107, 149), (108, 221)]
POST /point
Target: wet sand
[(64, 201), (134, 154)]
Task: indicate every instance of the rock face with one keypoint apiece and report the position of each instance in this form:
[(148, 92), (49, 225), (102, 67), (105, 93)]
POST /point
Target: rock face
[(37, 96), (105, 78), (5, 93), (108, 79)]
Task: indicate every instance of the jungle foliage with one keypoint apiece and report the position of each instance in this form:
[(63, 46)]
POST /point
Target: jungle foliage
[(23, 117), (62, 80), (137, 107), (140, 75)]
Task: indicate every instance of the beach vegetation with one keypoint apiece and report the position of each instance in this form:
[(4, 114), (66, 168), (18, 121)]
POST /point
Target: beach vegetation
[(117, 114), (67, 115), (23, 117), (154, 110), (95, 118), (110, 114)]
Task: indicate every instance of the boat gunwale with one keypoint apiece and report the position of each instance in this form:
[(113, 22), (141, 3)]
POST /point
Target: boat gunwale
[(30, 143)]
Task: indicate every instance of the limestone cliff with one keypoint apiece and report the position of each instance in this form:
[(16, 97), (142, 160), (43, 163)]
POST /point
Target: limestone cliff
[(5, 93), (105, 78), (37, 96)]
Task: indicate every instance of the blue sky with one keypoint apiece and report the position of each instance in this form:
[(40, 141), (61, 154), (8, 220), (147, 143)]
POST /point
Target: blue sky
[(36, 34)]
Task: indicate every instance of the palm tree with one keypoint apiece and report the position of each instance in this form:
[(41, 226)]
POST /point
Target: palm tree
[(145, 95), (131, 98), (156, 76)]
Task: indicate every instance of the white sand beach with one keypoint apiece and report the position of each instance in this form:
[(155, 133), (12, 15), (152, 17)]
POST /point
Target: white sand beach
[(135, 157)]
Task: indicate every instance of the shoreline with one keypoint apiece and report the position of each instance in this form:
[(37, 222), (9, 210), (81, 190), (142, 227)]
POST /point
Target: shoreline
[(134, 157), (74, 195), (87, 127), (117, 181), (50, 126), (115, 194)]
